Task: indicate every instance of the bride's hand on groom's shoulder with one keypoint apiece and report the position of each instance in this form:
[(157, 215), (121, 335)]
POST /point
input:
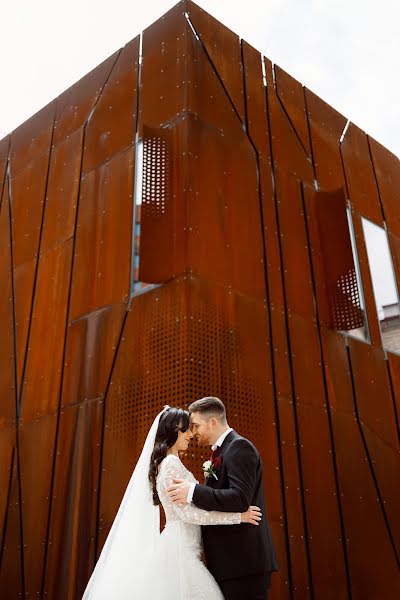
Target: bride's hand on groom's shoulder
[(252, 515), (178, 491)]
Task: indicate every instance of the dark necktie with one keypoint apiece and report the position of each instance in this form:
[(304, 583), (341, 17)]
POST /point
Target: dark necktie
[(214, 453)]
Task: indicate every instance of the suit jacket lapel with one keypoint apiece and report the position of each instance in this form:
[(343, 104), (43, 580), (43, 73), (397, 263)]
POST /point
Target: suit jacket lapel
[(225, 444)]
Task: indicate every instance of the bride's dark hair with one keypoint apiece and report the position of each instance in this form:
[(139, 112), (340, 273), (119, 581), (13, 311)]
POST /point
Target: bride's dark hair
[(171, 421)]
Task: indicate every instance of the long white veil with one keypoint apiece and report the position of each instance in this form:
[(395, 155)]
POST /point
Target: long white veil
[(132, 540)]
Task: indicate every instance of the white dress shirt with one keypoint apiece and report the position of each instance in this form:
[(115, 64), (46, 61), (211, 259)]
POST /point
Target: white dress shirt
[(217, 444)]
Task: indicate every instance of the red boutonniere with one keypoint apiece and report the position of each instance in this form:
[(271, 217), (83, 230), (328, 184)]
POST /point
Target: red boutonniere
[(216, 462), (209, 470), (210, 466)]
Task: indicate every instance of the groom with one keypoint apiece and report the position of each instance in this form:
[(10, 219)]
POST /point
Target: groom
[(240, 557)]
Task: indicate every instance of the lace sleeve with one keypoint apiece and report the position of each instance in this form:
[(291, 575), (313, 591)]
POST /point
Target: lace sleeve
[(189, 513)]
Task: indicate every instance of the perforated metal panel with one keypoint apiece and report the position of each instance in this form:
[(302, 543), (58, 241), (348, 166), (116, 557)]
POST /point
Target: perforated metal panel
[(156, 162), (346, 302)]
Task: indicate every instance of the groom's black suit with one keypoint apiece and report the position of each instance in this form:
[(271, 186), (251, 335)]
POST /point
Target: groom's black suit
[(243, 553)]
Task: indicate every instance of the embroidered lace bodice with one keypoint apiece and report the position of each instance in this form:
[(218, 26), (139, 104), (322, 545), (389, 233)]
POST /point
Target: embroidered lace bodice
[(172, 468)]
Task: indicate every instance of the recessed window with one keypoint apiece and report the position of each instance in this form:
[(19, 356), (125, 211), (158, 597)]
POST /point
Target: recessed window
[(337, 276), (138, 286), (362, 331), (154, 212), (384, 284)]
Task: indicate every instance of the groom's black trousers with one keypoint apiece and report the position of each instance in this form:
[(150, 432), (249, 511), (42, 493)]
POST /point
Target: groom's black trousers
[(254, 587)]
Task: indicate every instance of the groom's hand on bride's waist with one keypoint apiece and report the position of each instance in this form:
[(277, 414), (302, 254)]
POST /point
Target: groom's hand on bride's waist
[(178, 491)]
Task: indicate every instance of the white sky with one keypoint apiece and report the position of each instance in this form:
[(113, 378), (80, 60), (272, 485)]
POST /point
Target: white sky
[(346, 51), (380, 264)]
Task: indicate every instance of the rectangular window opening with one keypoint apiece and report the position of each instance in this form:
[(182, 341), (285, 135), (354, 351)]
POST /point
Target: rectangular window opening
[(153, 221), (339, 291), (362, 332), (384, 284), (138, 286)]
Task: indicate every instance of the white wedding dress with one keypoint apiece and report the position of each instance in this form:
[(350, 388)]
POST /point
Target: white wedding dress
[(180, 541), (139, 563)]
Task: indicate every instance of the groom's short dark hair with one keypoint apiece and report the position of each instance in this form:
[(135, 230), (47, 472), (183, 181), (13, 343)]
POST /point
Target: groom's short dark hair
[(208, 407)]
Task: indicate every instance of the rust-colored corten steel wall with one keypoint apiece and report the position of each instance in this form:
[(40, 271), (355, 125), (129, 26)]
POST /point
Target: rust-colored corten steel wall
[(246, 236)]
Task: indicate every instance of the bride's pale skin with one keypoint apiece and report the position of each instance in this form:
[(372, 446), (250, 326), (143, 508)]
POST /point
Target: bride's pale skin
[(207, 432), (181, 443)]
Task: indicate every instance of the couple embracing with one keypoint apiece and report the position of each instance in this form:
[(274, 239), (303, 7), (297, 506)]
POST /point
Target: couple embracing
[(226, 515)]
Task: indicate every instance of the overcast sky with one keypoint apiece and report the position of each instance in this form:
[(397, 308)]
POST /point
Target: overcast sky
[(347, 51)]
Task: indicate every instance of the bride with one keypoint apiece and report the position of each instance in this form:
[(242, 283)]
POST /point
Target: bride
[(137, 562)]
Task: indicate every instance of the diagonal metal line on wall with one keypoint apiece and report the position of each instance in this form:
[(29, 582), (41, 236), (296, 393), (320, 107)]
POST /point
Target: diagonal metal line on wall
[(99, 486), (8, 498), (376, 178), (342, 159), (198, 38), (310, 138), (5, 185), (246, 118), (46, 543), (396, 415), (370, 463), (290, 365), (4, 176), (327, 405), (26, 349), (16, 381), (287, 114)]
